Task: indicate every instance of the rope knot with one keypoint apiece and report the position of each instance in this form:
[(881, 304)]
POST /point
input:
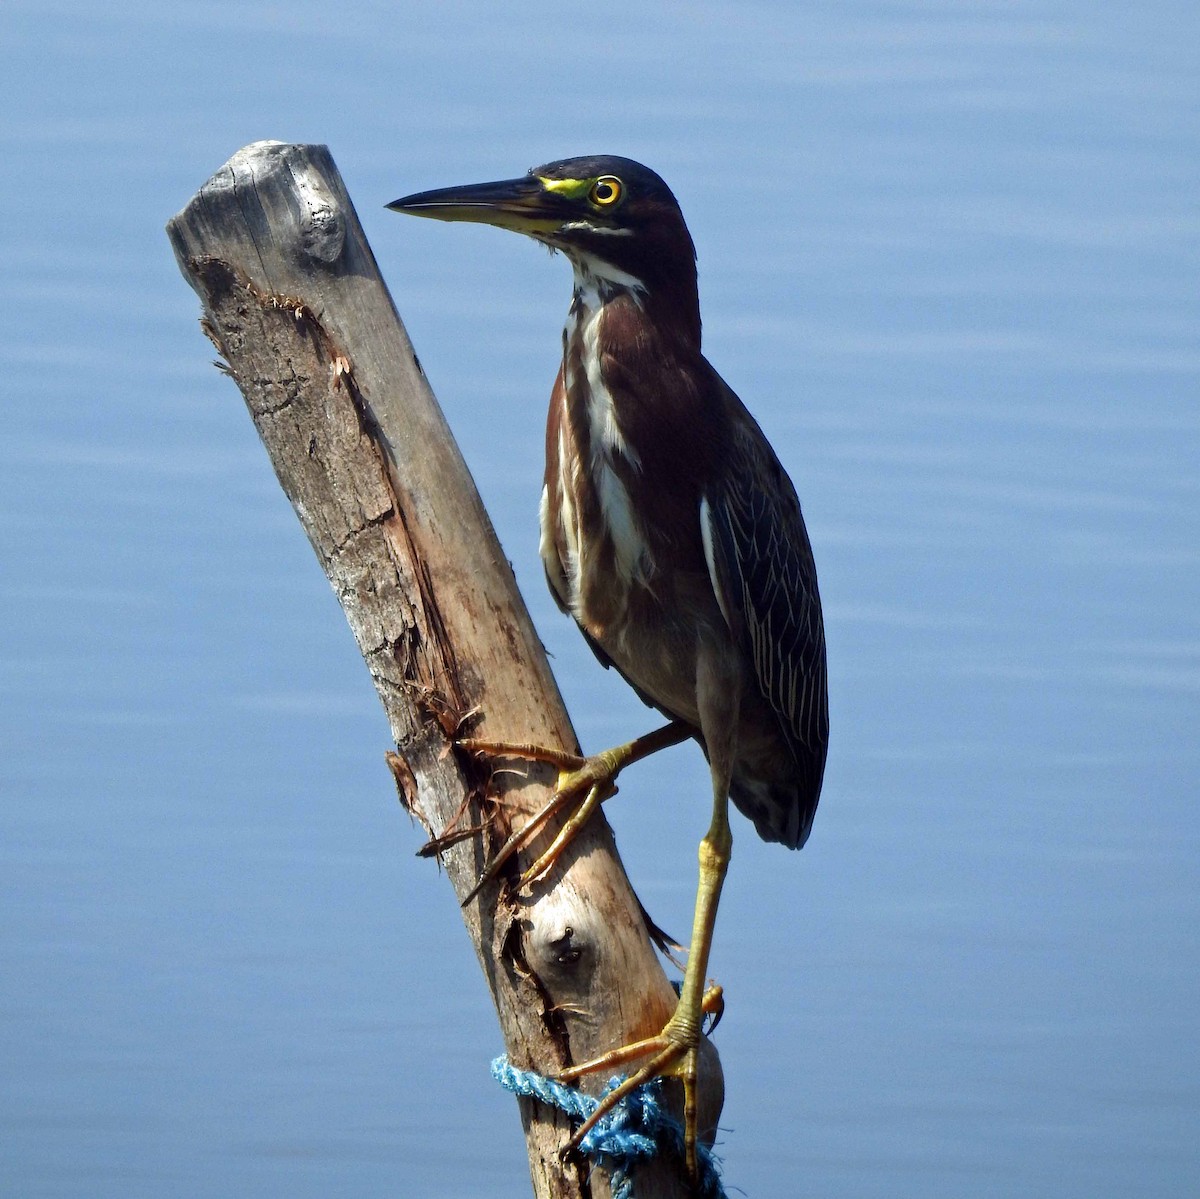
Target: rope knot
[(636, 1130)]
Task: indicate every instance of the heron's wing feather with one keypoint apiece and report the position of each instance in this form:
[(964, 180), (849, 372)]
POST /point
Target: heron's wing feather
[(762, 570)]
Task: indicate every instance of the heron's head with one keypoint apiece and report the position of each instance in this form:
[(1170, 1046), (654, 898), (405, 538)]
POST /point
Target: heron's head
[(609, 215)]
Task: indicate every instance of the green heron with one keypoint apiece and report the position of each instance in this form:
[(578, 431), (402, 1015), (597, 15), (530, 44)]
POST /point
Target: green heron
[(673, 536)]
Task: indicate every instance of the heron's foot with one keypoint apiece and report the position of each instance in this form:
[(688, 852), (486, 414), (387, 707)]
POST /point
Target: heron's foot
[(673, 1053), (583, 784)]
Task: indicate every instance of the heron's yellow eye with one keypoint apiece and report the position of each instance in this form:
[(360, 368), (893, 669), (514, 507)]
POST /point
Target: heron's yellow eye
[(606, 191)]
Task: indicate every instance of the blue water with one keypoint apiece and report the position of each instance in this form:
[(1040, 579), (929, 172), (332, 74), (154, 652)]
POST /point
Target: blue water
[(949, 256)]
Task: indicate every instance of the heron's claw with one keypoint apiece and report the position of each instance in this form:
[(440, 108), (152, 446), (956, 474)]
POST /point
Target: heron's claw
[(584, 782), (587, 782), (674, 1052)]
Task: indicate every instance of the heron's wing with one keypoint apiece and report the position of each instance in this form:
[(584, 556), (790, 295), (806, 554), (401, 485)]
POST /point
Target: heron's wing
[(762, 570)]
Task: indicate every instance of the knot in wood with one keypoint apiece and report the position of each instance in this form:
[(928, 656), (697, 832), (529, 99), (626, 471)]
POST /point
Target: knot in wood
[(561, 943), (322, 224)]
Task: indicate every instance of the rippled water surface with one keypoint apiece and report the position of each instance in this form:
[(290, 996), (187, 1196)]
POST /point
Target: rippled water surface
[(949, 256)]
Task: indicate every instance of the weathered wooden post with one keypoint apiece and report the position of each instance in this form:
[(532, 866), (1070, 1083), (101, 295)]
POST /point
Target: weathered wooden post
[(295, 305)]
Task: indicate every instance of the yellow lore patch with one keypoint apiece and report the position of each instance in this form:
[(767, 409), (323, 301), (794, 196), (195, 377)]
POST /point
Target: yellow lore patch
[(571, 189)]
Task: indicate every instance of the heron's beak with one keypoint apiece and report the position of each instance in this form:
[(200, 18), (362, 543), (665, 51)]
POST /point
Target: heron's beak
[(523, 205)]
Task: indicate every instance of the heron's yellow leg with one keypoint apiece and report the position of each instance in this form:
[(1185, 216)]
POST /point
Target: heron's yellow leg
[(676, 1049)]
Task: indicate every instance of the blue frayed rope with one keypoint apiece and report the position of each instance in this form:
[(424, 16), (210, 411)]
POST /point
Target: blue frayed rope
[(633, 1132)]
